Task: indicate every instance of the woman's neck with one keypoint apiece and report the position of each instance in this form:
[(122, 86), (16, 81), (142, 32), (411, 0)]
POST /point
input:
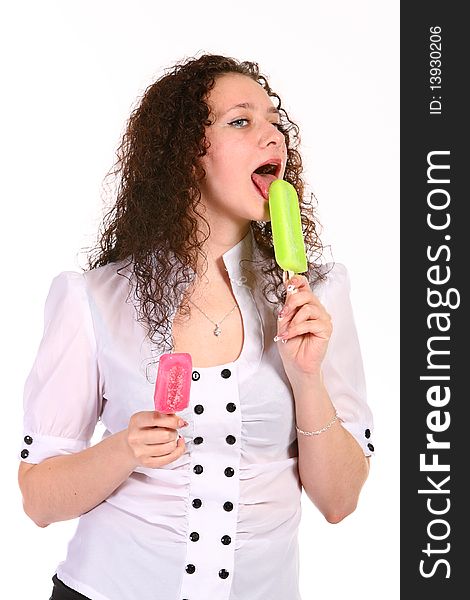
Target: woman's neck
[(220, 241)]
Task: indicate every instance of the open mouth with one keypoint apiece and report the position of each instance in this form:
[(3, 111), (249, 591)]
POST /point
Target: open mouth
[(264, 175)]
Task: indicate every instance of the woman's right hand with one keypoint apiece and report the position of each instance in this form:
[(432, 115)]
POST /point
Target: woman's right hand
[(153, 440)]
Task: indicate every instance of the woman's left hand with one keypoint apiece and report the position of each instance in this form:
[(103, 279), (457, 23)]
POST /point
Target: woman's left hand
[(306, 328)]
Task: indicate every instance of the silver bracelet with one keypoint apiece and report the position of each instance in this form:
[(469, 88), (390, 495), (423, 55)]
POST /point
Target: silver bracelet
[(333, 420)]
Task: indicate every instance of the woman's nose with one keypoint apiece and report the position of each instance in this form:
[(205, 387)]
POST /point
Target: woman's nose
[(270, 134)]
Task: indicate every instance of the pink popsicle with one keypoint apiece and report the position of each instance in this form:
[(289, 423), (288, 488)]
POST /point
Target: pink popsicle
[(173, 382)]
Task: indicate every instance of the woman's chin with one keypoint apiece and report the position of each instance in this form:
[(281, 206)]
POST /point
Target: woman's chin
[(266, 214)]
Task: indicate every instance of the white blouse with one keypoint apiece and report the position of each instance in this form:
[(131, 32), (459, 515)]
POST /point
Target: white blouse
[(221, 521)]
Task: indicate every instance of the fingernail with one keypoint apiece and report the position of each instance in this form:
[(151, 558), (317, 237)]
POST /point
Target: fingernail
[(276, 338), (291, 289), (182, 423)]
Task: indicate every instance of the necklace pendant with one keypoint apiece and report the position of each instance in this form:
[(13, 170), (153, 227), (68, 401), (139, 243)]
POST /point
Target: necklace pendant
[(217, 331)]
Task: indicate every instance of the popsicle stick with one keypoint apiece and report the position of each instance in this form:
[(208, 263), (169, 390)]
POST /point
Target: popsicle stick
[(286, 275)]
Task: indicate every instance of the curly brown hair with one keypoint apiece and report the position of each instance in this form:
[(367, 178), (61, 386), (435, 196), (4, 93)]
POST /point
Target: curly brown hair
[(157, 171)]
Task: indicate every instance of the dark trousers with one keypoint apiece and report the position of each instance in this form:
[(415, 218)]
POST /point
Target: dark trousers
[(63, 592)]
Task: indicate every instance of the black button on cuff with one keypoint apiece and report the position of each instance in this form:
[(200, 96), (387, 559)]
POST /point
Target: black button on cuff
[(371, 447), (190, 569), (199, 409), (367, 433), (223, 574), (24, 453), (231, 407), (228, 506), (230, 439), (198, 469), (197, 503), (229, 472), (196, 376), (198, 440), (28, 440), (194, 536), (226, 540), (226, 373)]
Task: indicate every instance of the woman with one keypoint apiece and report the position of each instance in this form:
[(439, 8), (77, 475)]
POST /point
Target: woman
[(203, 503)]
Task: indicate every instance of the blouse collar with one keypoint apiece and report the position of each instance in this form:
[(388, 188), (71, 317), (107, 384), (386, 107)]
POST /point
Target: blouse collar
[(239, 261)]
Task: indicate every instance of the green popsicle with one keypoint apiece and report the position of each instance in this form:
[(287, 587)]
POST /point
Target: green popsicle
[(289, 246)]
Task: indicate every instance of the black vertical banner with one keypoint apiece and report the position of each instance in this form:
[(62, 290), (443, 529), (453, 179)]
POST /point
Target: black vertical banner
[(435, 252)]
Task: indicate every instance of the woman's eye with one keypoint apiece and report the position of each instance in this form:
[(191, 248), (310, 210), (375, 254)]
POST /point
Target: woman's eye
[(238, 123)]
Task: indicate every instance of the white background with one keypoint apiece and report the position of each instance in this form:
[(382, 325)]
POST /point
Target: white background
[(72, 72)]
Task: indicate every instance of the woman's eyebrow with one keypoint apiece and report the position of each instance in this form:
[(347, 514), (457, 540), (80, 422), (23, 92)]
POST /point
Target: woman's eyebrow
[(271, 109)]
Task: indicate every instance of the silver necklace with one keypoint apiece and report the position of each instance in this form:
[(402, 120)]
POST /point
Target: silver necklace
[(217, 331)]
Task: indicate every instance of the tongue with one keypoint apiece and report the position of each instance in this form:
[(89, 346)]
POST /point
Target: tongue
[(263, 182)]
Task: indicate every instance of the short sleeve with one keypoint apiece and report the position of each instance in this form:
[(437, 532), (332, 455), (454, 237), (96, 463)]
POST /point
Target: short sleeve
[(342, 367), (62, 400)]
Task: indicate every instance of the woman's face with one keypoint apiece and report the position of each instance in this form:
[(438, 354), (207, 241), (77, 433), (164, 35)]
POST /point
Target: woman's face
[(243, 135)]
